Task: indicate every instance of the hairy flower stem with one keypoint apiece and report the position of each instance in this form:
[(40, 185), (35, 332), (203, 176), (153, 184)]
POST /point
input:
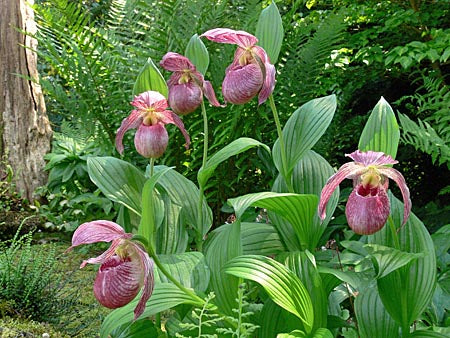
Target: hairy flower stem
[(394, 233), (199, 239), (282, 146), (152, 165)]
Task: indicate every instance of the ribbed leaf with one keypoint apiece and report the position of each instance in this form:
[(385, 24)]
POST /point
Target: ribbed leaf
[(150, 78), (319, 333), (275, 319), (373, 319), (189, 268), (118, 180), (223, 245), (407, 291), (165, 296), (381, 132), (236, 147), (293, 334), (198, 54), (281, 284), (270, 32), (386, 259), (297, 209), (303, 129), (137, 329), (309, 176), (426, 334), (349, 277), (184, 193), (304, 266), (260, 239)]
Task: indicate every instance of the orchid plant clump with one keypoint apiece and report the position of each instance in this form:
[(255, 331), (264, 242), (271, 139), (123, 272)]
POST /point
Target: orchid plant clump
[(156, 265)]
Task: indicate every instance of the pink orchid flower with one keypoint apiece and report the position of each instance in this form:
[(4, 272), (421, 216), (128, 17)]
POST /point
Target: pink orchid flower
[(368, 205), (125, 267), (150, 117), (251, 71), (186, 85)]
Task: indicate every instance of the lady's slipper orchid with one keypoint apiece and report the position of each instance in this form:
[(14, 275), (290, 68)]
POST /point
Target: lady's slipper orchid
[(125, 267), (150, 117), (186, 85), (251, 71), (368, 205)]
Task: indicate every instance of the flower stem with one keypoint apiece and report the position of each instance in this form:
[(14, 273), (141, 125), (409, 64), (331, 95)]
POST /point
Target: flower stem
[(394, 233), (282, 146), (199, 239), (152, 165)]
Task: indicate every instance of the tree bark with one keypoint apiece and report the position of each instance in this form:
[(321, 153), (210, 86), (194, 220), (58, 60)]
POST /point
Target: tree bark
[(25, 131)]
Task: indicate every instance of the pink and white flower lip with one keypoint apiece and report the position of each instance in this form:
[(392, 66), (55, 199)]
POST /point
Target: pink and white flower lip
[(186, 85), (125, 267), (150, 117), (368, 205), (251, 71)]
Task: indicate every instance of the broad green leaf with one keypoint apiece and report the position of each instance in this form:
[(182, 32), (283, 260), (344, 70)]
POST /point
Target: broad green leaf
[(293, 334), (297, 209), (222, 245), (184, 193), (275, 319), (301, 132), (152, 210), (427, 334), (150, 78), (139, 328), (304, 266), (349, 277), (165, 296), (309, 176), (260, 239), (381, 132), (236, 147), (407, 291), (281, 284), (373, 319), (270, 32), (198, 54), (189, 268), (118, 180), (386, 259)]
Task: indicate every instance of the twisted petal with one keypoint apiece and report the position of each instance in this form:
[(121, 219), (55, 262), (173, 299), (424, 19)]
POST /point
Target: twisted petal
[(371, 158), (150, 99), (97, 231), (241, 84), (147, 266), (367, 214), (131, 122), (151, 141), (210, 95), (348, 170), (225, 35), (269, 83), (175, 62), (168, 116), (185, 98), (398, 178)]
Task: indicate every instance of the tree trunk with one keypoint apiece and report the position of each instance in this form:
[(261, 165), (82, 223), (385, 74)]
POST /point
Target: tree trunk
[(25, 131)]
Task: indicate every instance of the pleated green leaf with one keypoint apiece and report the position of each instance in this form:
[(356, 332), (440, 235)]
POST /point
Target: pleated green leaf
[(165, 296), (373, 319), (270, 32), (139, 328), (198, 54), (303, 129), (426, 334), (293, 334), (304, 266), (381, 132), (309, 176), (150, 78), (275, 319), (222, 245), (189, 268), (118, 180), (236, 147), (350, 277), (387, 259), (281, 284), (406, 292), (297, 209), (260, 239), (185, 193)]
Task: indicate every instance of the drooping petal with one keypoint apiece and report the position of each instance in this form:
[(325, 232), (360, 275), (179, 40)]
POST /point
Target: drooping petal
[(371, 158), (130, 122), (185, 98), (111, 251), (210, 95), (367, 214), (170, 117), (150, 99), (348, 170), (226, 35), (151, 141), (241, 84), (398, 178), (175, 62), (269, 83), (147, 266), (97, 231), (118, 281)]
